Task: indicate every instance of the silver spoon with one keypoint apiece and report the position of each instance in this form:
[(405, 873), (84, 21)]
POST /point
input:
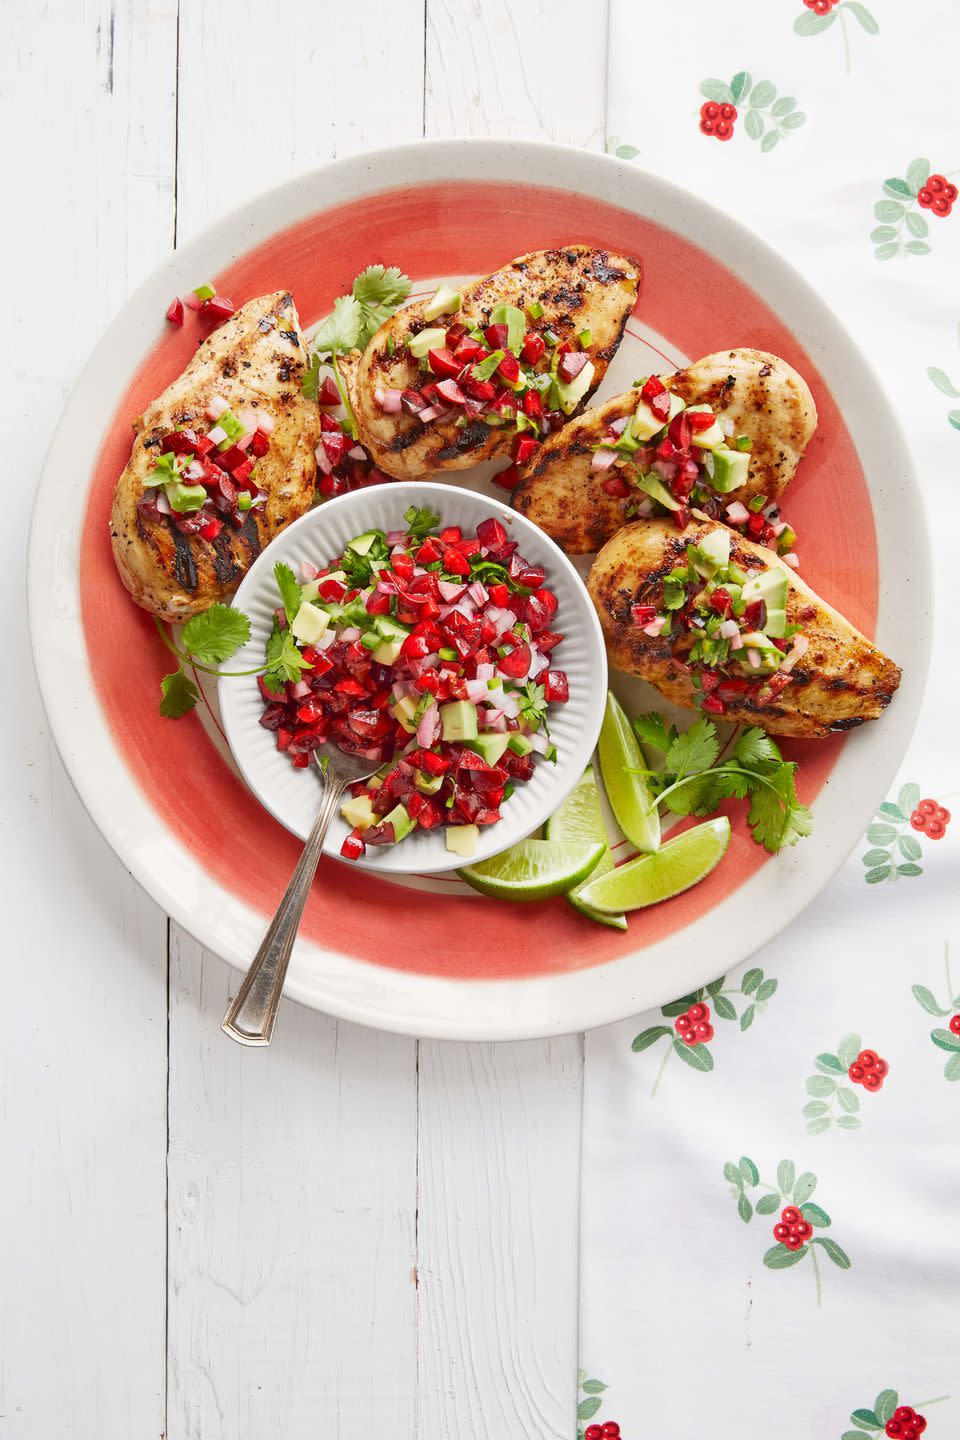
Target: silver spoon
[(251, 1016)]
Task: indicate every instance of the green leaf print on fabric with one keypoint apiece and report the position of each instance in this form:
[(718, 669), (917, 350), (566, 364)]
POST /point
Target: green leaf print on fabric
[(821, 15), (889, 1410), (766, 117), (945, 385), (795, 1230), (693, 1015), (944, 1037), (893, 836), (835, 1102), (904, 230)]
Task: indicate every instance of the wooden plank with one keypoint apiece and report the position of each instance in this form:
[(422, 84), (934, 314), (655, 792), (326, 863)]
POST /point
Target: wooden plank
[(534, 71), (292, 1173), (292, 1222), (83, 1030), (500, 1125), (498, 1221)]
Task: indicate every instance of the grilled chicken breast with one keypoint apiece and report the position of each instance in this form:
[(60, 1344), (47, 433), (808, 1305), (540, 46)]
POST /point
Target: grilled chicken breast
[(841, 681), (761, 395), (579, 288), (255, 361)]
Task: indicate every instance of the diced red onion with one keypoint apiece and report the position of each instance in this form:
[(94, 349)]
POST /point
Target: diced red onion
[(603, 459), (791, 560), (428, 730), (301, 690), (495, 720), (450, 591), (163, 504), (736, 641), (280, 615), (323, 460), (737, 513), (193, 301), (428, 413), (655, 626), (245, 441), (349, 634), (216, 407), (478, 593), (503, 701), (266, 424), (325, 641), (728, 629), (618, 426), (666, 469), (194, 471), (476, 690), (538, 741), (308, 571), (217, 435), (356, 452), (248, 420), (485, 672), (390, 401), (779, 529), (503, 619), (753, 656), (538, 663), (645, 508), (726, 425), (396, 538)]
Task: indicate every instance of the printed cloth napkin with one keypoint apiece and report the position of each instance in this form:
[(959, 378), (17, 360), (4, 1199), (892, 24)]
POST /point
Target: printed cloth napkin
[(770, 1238)]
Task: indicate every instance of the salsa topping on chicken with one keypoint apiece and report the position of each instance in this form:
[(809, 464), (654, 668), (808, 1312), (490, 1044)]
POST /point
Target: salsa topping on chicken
[(669, 456), (514, 372), (729, 626)]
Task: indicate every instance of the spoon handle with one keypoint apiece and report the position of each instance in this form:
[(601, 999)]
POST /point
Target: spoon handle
[(252, 1014)]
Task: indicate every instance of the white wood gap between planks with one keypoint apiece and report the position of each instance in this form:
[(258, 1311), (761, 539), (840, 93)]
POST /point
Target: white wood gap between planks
[(352, 1233)]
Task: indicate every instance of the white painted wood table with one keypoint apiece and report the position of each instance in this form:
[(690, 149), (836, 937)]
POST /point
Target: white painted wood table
[(351, 1234)]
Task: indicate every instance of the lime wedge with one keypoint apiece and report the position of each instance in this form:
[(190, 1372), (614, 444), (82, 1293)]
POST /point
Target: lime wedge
[(580, 818), (629, 795), (534, 869), (651, 878)]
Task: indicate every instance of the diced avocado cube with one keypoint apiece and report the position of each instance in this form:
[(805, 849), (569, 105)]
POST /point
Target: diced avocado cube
[(770, 656), (713, 552), (310, 590), (572, 392), (428, 784), (244, 500), (775, 624), (358, 812), (388, 628), (490, 745), (309, 623), (459, 720), (405, 711), (445, 301), (518, 743), (401, 820), (387, 652), (653, 486), (786, 541), (429, 339), (770, 586), (706, 439), (184, 498), (645, 424), (360, 545), (463, 839), (727, 469)]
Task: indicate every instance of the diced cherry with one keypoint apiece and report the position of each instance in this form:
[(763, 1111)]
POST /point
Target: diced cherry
[(721, 601), (450, 391), (509, 368), (755, 615), (402, 564), (218, 309), (516, 662), (481, 391), (466, 351), (555, 686), (429, 552), (507, 479), (450, 534), (548, 640), (260, 444), (175, 311), (699, 419), (353, 846), (442, 363), (570, 365), (499, 594), (524, 448), (714, 705), (496, 336), (643, 614), (328, 394), (533, 347), (532, 404), (616, 487), (491, 533), (331, 590), (212, 529), (652, 387)]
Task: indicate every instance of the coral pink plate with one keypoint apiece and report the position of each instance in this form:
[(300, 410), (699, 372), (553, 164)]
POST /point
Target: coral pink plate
[(429, 956)]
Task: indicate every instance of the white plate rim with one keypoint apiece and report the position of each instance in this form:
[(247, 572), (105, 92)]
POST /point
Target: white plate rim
[(432, 1005)]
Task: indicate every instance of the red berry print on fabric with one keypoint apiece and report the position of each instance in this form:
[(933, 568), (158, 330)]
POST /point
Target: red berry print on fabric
[(902, 229), (766, 117), (834, 1102), (587, 1409), (693, 1019), (887, 1416), (892, 835), (819, 15), (930, 818), (944, 1037), (945, 385), (794, 1233)]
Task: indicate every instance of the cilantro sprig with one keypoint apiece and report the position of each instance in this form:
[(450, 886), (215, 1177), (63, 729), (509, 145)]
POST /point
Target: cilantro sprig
[(376, 294), (207, 640), (693, 778)]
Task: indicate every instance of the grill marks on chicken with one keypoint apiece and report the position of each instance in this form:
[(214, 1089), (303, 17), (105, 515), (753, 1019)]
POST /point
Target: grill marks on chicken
[(255, 361), (760, 394), (842, 680), (580, 288)]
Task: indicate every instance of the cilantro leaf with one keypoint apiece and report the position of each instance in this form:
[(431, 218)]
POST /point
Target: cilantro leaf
[(291, 592), (310, 384), (215, 634), (341, 329), (776, 817), (652, 729), (674, 591), (533, 704), (485, 368), (755, 749), (420, 522), (178, 695), (697, 749), (284, 661), (380, 291)]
